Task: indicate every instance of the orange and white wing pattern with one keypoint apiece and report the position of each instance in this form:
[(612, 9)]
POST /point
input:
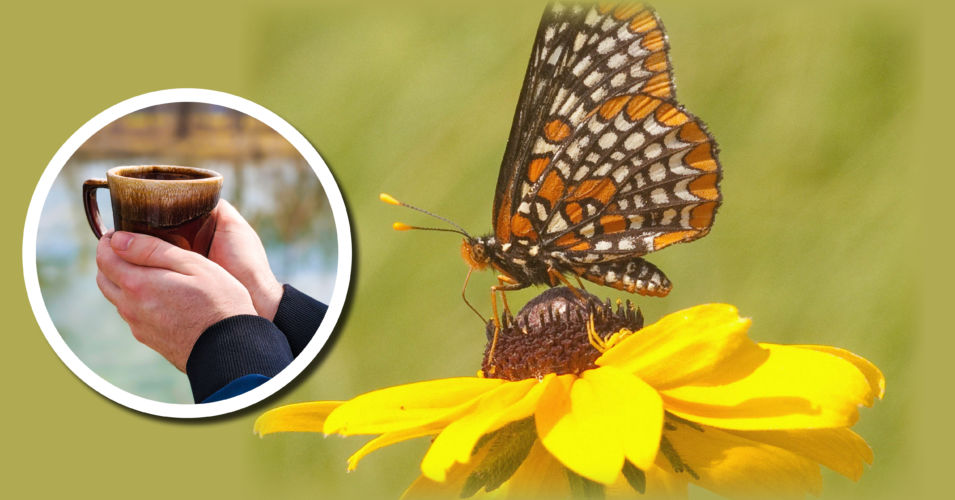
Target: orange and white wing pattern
[(602, 164)]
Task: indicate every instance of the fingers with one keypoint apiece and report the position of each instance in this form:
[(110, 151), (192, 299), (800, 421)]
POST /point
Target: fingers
[(148, 251), (109, 289), (118, 272), (227, 217)]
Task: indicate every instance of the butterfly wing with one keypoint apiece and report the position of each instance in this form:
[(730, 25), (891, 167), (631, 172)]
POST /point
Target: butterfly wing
[(582, 56), (606, 166)]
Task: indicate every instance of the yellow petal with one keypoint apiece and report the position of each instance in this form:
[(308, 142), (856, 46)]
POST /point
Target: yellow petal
[(871, 372), (734, 466), (633, 412), (390, 438), (590, 423), (664, 484), (500, 406), (407, 406), (300, 417), (702, 345), (539, 477), (451, 487), (795, 388), (841, 450), (661, 484)]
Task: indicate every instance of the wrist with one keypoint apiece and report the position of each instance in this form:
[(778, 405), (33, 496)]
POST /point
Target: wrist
[(266, 297)]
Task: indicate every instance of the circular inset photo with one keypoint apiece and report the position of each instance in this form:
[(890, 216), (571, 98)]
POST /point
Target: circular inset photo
[(187, 253)]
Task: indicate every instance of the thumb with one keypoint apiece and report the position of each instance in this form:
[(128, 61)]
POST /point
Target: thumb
[(227, 217), (149, 251)]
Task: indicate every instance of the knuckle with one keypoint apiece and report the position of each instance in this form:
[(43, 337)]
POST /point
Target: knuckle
[(127, 313), (150, 252), (100, 258), (131, 283)]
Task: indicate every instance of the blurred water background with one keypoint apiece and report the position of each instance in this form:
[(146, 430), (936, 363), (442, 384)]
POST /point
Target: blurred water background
[(265, 178)]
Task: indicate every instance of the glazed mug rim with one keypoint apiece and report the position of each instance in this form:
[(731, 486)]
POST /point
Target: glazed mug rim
[(210, 175)]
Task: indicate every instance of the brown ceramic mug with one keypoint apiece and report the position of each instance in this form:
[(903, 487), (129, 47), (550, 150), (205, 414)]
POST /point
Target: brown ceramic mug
[(169, 202)]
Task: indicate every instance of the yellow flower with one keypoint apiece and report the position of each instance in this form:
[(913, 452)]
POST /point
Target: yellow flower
[(688, 399)]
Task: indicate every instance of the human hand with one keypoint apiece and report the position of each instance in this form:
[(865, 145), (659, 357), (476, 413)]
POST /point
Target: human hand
[(237, 248), (167, 295)]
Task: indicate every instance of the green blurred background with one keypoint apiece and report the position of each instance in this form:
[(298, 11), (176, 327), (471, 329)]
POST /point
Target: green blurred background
[(815, 108)]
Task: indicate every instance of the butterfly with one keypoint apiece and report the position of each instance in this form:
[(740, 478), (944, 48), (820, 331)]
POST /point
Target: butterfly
[(602, 165)]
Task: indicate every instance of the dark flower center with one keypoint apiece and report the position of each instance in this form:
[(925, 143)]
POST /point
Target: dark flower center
[(549, 335)]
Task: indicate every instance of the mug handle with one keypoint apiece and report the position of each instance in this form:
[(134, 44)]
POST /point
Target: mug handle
[(92, 209)]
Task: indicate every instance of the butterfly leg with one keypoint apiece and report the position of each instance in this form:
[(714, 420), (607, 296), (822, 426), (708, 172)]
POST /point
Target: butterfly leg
[(556, 275), (503, 280), (580, 282), (505, 284)]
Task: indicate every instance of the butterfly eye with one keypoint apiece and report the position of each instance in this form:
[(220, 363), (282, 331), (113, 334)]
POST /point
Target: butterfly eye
[(479, 251)]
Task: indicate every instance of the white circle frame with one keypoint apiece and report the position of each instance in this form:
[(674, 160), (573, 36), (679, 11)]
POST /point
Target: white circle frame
[(342, 278)]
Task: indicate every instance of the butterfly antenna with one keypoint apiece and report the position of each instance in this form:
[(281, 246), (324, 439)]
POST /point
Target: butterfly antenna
[(398, 226)]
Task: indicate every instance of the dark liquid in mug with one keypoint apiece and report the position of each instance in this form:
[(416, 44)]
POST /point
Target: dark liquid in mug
[(165, 175)]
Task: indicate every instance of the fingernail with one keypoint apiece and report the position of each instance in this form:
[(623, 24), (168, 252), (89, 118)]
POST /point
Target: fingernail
[(120, 240)]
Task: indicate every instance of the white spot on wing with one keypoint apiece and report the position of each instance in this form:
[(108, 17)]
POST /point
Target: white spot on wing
[(581, 66), (659, 196), (616, 61), (654, 128), (542, 146), (621, 122), (564, 168), (603, 245), (606, 45), (607, 140), (618, 79), (541, 211), (672, 142), (620, 174), (626, 244), (568, 104), (657, 172), (682, 192), (634, 141), (557, 224), (677, 166), (635, 49), (593, 78), (573, 151), (668, 216), (652, 151), (579, 41), (554, 57)]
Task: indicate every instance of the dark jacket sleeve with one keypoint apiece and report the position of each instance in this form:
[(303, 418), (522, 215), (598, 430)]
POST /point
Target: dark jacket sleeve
[(298, 316), (233, 348)]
